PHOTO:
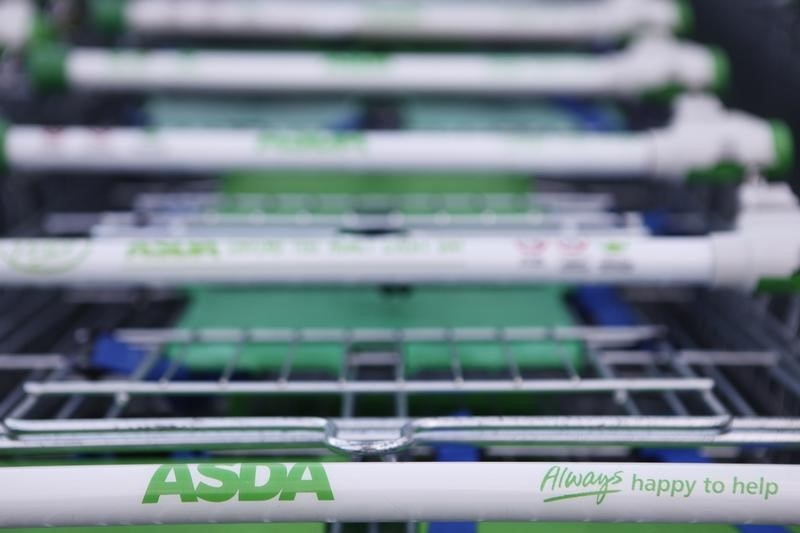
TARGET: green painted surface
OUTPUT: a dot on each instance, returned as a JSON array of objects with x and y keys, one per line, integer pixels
[
  {"x": 333, "y": 183},
  {"x": 107, "y": 16},
  {"x": 720, "y": 173},
  {"x": 424, "y": 307},
  {"x": 722, "y": 70},
  {"x": 784, "y": 142},
  {"x": 779, "y": 285},
  {"x": 216, "y": 112},
  {"x": 686, "y": 20},
  {"x": 512, "y": 116},
  {"x": 46, "y": 64}
]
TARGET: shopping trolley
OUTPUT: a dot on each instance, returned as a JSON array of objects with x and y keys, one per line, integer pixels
[{"x": 328, "y": 402}]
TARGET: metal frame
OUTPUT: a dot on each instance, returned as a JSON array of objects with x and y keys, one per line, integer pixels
[{"x": 696, "y": 403}]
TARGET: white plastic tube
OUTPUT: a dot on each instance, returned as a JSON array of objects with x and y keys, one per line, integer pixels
[
  {"x": 359, "y": 260},
  {"x": 428, "y": 19},
  {"x": 16, "y": 23},
  {"x": 765, "y": 245},
  {"x": 702, "y": 136},
  {"x": 740, "y": 259},
  {"x": 368, "y": 492},
  {"x": 647, "y": 65}
]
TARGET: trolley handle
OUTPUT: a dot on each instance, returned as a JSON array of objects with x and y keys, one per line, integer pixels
[{"x": 368, "y": 492}]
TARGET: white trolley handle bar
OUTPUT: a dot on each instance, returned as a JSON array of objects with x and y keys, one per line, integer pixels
[
  {"x": 651, "y": 64},
  {"x": 366, "y": 492},
  {"x": 486, "y": 19},
  {"x": 735, "y": 259},
  {"x": 702, "y": 135}
]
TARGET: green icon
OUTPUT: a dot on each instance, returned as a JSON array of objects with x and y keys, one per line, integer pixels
[
  {"x": 44, "y": 256},
  {"x": 615, "y": 247}
]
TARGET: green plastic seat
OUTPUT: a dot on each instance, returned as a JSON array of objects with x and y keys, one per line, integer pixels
[{"x": 371, "y": 308}]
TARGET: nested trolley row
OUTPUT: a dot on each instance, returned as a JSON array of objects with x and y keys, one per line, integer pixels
[{"x": 378, "y": 331}]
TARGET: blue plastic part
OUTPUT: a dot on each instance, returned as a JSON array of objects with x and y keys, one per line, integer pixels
[
  {"x": 119, "y": 357},
  {"x": 604, "y": 306},
  {"x": 451, "y": 453},
  {"x": 188, "y": 456},
  {"x": 116, "y": 356},
  {"x": 656, "y": 221},
  {"x": 674, "y": 455},
  {"x": 762, "y": 529},
  {"x": 348, "y": 123},
  {"x": 591, "y": 116},
  {"x": 453, "y": 527}
]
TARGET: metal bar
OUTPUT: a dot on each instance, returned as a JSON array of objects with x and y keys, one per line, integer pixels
[
  {"x": 572, "y": 372},
  {"x": 723, "y": 385},
  {"x": 692, "y": 357},
  {"x": 369, "y": 425},
  {"x": 286, "y": 367},
  {"x": 542, "y": 201},
  {"x": 122, "y": 221},
  {"x": 175, "y": 363},
  {"x": 792, "y": 321},
  {"x": 708, "y": 397},
  {"x": 621, "y": 396},
  {"x": 400, "y": 398},
  {"x": 232, "y": 363},
  {"x": 598, "y": 336},
  {"x": 609, "y": 384},
  {"x": 729, "y": 391},
  {"x": 264, "y": 440},
  {"x": 121, "y": 399},
  {"x": 348, "y": 376},
  {"x": 455, "y": 362},
  {"x": 672, "y": 399},
  {"x": 513, "y": 366},
  {"x": 788, "y": 374},
  {"x": 31, "y": 361}
]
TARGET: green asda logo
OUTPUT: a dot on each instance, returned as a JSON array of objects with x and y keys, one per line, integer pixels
[
  {"x": 251, "y": 482},
  {"x": 172, "y": 249},
  {"x": 310, "y": 141},
  {"x": 44, "y": 256}
]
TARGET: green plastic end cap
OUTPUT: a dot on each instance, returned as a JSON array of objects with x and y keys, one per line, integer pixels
[
  {"x": 3, "y": 158},
  {"x": 722, "y": 70},
  {"x": 42, "y": 31},
  {"x": 685, "y": 17},
  {"x": 665, "y": 94},
  {"x": 784, "y": 150},
  {"x": 46, "y": 66},
  {"x": 107, "y": 16},
  {"x": 720, "y": 174},
  {"x": 779, "y": 285}
]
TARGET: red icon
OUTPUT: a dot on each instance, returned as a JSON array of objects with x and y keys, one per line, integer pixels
[
  {"x": 531, "y": 246},
  {"x": 573, "y": 246}
]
